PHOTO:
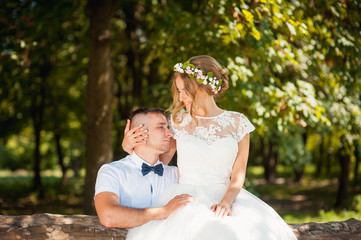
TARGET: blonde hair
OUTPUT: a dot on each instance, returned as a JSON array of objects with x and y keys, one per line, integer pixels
[{"x": 191, "y": 86}]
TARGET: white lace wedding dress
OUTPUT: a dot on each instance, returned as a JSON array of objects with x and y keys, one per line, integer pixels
[{"x": 206, "y": 154}]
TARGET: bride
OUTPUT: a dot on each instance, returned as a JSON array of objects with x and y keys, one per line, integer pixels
[{"x": 212, "y": 146}]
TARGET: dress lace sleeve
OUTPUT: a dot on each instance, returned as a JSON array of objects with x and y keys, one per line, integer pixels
[{"x": 244, "y": 127}]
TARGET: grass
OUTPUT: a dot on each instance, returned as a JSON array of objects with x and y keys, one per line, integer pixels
[
  {"x": 312, "y": 200},
  {"x": 17, "y": 196},
  {"x": 309, "y": 201}
]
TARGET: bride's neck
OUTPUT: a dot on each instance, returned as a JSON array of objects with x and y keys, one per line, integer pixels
[{"x": 207, "y": 107}]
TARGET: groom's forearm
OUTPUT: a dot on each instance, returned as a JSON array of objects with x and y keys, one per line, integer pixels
[
  {"x": 111, "y": 214},
  {"x": 124, "y": 217}
]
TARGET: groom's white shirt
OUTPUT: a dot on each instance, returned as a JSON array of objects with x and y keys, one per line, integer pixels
[{"x": 124, "y": 178}]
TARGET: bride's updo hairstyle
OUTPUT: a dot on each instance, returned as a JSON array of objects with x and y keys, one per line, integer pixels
[{"x": 191, "y": 85}]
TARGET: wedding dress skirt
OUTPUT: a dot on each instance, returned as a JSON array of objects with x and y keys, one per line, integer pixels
[
  {"x": 251, "y": 218},
  {"x": 206, "y": 155}
]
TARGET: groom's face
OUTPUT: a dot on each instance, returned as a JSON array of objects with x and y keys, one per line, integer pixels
[{"x": 159, "y": 134}]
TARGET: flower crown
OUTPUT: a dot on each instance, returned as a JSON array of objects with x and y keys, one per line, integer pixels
[{"x": 196, "y": 73}]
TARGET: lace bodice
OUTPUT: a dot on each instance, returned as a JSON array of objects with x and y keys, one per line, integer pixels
[{"x": 206, "y": 151}]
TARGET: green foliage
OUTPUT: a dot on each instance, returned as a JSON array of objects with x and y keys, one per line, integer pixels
[
  {"x": 18, "y": 152},
  {"x": 296, "y": 74},
  {"x": 42, "y": 55},
  {"x": 293, "y": 151},
  {"x": 8, "y": 159}
]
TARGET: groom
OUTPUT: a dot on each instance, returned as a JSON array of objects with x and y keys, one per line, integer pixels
[{"x": 126, "y": 189}]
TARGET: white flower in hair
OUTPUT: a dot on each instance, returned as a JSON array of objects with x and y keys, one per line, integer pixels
[{"x": 197, "y": 74}]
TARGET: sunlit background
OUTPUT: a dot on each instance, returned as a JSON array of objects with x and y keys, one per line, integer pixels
[{"x": 294, "y": 72}]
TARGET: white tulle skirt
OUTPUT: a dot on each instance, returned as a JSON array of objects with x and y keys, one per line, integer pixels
[{"x": 251, "y": 219}]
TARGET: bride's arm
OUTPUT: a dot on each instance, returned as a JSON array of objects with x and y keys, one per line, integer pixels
[
  {"x": 166, "y": 157},
  {"x": 238, "y": 176}
]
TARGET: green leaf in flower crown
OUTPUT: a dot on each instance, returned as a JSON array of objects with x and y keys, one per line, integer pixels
[
  {"x": 209, "y": 74},
  {"x": 192, "y": 76},
  {"x": 186, "y": 64}
]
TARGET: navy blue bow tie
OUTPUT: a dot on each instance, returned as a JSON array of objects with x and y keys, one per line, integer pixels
[{"x": 158, "y": 169}]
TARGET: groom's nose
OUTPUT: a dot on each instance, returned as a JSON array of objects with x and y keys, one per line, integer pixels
[{"x": 169, "y": 133}]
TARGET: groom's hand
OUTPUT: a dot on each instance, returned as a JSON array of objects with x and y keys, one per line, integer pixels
[
  {"x": 133, "y": 137},
  {"x": 177, "y": 202}
]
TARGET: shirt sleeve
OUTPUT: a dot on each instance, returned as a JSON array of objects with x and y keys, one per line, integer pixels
[
  {"x": 175, "y": 176},
  {"x": 244, "y": 127},
  {"x": 108, "y": 180}
]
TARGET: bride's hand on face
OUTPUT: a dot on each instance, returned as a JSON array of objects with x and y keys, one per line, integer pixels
[
  {"x": 221, "y": 210},
  {"x": 133, "y": 137}
]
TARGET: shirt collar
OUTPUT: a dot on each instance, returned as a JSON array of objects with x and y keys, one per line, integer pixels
[{"x": 139, "y": 161}]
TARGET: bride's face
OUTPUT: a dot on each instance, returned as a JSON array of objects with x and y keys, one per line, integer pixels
[{"x": 183, "y": 97}]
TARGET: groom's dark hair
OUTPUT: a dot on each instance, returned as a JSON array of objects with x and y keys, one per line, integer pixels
[
  {"x": 145, "y": 111},
  {"x": 148, "y": 110}
]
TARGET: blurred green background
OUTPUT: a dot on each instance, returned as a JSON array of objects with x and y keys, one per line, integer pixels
[{"x": 294, "y": 72}]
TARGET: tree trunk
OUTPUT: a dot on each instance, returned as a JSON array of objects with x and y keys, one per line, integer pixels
[
  {"x": 123, "y": 108},
  {"x": 119, "y": 129},
  {"x": 37, "y": 113},
  {"x": 99, "y": 96},
  {"x": 344, "y": 181},
  {"x": 269, "y": 162},
  {"x": 61, "y": 158},
  {"x": 320, "y": 157},
  {"x": 300, "y": 172},
  {"x": 75, "y": 164},
  {"x": 357, "y": 157},
  {"x": 153, "y": 76},
  {"x": 133, "y": 87},
  {"x": 38, "y": 187},
  {"x": 329, "y": 156},
  {"x": 134, "y": 61}
]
